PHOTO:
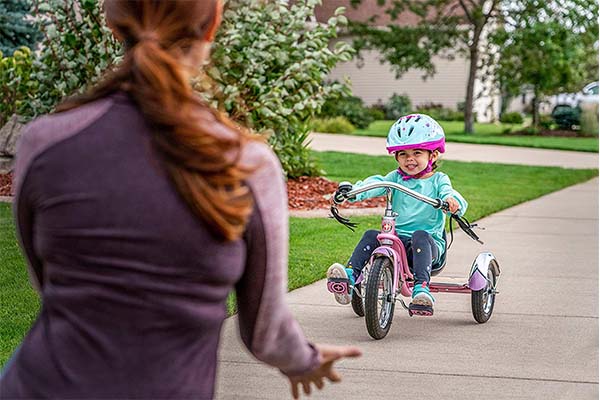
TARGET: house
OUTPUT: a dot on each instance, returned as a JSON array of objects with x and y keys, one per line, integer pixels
[{"x": 375, "y": 82}]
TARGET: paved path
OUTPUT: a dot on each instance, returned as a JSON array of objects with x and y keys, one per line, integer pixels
[
  {"x": 541, "y": 342},
  {"x": 463, "y": 151}
]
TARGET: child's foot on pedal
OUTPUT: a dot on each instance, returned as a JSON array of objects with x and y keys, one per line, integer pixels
[
  {"x": 338, "y": 283},
  {"x": 422, "y": 301}
]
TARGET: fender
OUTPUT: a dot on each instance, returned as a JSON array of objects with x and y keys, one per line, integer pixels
[
  {"x": 384, "y": 251},
  {"x": 480, "y": 268}
]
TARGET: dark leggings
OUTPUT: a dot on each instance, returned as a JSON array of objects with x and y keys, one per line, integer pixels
[{"x": 421, "y": 250}]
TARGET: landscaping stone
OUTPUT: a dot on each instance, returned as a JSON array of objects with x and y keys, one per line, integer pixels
[{"x": 9, "y": 134}]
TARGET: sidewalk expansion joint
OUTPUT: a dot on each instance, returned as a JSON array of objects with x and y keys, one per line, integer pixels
[
  {"x": 466, "y": 312},
  {"x": 396, "y": 371}
]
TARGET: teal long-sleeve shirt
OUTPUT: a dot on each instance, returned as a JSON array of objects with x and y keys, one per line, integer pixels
[{"x": 414, "y": 215}]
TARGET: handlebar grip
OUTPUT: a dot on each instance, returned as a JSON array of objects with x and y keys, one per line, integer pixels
[{"x": 443, "y": 205}]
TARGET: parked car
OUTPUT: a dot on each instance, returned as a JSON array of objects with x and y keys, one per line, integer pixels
[{"x": 589, "y": 94}]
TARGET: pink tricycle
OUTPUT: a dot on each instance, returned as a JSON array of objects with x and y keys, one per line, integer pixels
[{"x": 387, "y": 278}]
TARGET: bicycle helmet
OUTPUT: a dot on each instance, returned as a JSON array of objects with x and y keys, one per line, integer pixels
[{"x": 416, "y": 131}]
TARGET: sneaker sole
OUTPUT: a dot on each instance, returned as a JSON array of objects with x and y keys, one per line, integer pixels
[
  {"x": 419, "y": 310},
  {"x": 421, "y": 305},
  {"x": 338, "y": 271},
  {"x": 422, "y": 300}
]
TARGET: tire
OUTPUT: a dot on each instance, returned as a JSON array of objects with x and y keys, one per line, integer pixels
[
  {"x": 482, "y": 301},
  {"x": 378, "y": 316},
  {"x": 357, "y": 301}
]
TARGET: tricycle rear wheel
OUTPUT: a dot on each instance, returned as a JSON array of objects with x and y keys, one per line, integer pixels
[
  {"x": 379, "y": 298},
  {"x": 357, "y": 300}
]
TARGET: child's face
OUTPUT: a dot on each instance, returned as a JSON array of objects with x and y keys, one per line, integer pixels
[{"x": 414, "y": 161}]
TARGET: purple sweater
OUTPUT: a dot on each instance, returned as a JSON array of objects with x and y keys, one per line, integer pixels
[{"x": 133, "y": 285}]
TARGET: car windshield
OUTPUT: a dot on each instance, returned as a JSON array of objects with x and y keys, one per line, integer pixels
[{"x": 591, "y": 89}]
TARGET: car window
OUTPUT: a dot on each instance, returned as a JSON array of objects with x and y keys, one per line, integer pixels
[{"x": 592, "y": 88}]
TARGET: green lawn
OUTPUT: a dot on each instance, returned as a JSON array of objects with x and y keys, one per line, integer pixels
[
  {"x": 494, "y": 134},
  {"x": 314, "y": 243}
]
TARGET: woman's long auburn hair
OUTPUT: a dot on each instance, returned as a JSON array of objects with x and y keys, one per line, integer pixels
[{"x": 205, "y": 168}]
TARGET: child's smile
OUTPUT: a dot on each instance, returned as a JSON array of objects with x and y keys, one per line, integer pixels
[{"x": 413, "y": 161}]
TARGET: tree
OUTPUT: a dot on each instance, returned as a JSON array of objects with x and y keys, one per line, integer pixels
[
  {"x": 548, "y": 48},
  {"x": 16, "y": 29},
  {"x": 443, "y": 24}
]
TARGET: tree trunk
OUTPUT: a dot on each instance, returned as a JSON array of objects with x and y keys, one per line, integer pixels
[
  {"x": 474, "y": 58},
  {"x": 535, "y": 110}
]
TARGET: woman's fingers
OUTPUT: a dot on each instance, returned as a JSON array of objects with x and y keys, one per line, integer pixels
[
  {"x": 306, "y": 386},
  {"x": 294, "y": 384},
  {"x": 318, "y": 381}
]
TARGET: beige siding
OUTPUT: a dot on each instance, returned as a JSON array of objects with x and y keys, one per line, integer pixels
[{"x": 375, "y": 82}]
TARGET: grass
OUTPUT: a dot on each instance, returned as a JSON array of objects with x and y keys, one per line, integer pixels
[
  {"x": 20, "y": 303},
  {"x": 314, "y": 243},
  {"x": 486, "y": 133}
]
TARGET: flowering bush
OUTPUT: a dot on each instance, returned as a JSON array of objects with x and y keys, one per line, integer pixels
[{"x": 268, "y": 67}]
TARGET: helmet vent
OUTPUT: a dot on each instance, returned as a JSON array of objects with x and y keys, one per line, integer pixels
[
  {"x": 418, "y": 118},
  {"x": 410, "y": 131}
]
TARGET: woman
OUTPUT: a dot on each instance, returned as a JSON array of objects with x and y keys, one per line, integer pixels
[{"x": 139, "y": 209}]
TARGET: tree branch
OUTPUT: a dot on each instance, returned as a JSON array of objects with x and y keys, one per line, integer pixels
[{"x": 466, "y": 10}]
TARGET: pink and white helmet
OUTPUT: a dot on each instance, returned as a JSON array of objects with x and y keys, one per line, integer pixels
[{"x": 416, "y": 131}]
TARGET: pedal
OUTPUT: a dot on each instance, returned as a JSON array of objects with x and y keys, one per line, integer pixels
[
  {"x": 338, "y": 285},
  {"x": 420, "y": 310}
]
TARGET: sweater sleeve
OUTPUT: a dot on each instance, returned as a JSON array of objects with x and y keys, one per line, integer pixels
[
  {"x": 390, "y": 177},
  {"x": 446, "y": 191},
  {"x": 23, "y": 206},
  {"x": 267, "y": 326}
]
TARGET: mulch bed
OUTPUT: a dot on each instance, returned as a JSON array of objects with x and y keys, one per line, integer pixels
[
  {"x": 5, "y": 184},
  {"x": 304, "y": 193}
]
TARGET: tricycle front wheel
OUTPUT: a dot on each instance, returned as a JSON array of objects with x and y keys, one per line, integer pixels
[
  {"x": 482, "y": 301},
  {"x": 379, "y": 298}
]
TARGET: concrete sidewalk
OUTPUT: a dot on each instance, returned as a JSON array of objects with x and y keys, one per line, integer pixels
[
  {"x": 541, "y": 342},
  {"x": 463, "y": 151}
]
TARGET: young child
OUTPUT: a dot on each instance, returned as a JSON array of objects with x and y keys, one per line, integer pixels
[{"x": 416, "y": 141}]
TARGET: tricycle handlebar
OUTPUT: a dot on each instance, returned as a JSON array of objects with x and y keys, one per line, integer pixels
[{"x": 436, "y": 203}]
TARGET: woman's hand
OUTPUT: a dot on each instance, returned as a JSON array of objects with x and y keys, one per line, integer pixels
[
  {"x": 327, "y": 355},
  {"x": 452, "y": 204}
]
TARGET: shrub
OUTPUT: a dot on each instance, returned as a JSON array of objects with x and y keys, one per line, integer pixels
[
  {"x": 270, "y": 68},
  {"x": 589, "y": 120},
  {"x": 376, "y": 112},
  {"x": 440, "y": 113},
  {"x": 397, "y": 106},
  {"x": 566, "y": 117},
  {"x": 351, "y": 107},
  {"x": 267, "y": 69},
  {"x": 77, "y": 47},
  {"x": 511, "y": 118},
  {"x": 546, "y": 122},
  {"x": 16, "y": 86},
  {"x": 333, "y": 125}
]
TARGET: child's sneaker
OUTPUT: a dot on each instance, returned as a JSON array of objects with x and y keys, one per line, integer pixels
[
  {"x": 422, "y": 301},
  {"x": 339, "y": 284}
]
